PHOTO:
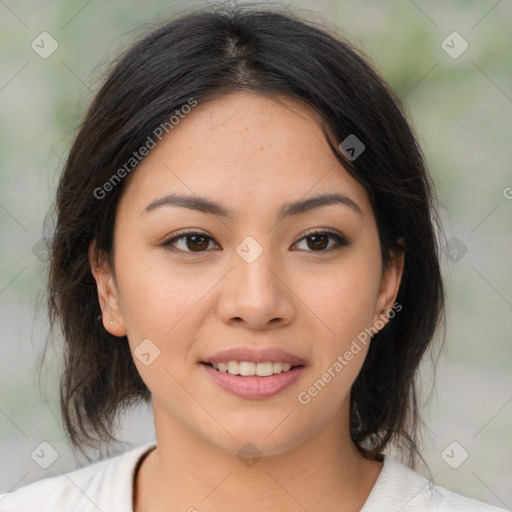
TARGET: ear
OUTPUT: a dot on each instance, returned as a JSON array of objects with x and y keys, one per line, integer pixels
[
  {"x": 390, "y": 283},
  {"x": 108, "y": 296}
]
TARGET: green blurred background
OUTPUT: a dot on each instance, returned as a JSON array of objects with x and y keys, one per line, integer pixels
[{"x": 461, "y": 108}]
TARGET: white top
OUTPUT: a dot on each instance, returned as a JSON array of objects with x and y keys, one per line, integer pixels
[{"x": 107, "y": 486}]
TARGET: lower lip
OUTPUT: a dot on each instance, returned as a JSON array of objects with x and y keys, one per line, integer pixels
[{"x": 254, "y": 387}]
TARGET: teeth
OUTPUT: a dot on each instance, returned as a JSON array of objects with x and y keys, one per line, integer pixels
[
  {"x": 264, "y": 369},
  {"x": 245, "y": 368},
  {"x": 233, "y": 367},
  {"x": 248, "y": 368}
]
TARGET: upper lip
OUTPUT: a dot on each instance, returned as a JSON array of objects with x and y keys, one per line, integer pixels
[{"x": 256, "y": 356}]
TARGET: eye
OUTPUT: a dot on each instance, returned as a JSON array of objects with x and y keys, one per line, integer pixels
[
  {"x": 192, "y": 241},
  {"x": 319, "y": 240}
]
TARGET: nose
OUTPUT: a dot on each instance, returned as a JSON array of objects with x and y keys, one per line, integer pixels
[{"x": 257, "y": 293}]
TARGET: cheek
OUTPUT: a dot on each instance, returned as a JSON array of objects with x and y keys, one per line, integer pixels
[
  {"x": 343, "y": 306},
  {"x": 162, "y": 305},
  {"x": 159, "y": 301},
  {"x": 342, "y": 298}
]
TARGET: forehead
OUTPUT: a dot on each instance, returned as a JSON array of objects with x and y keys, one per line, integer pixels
[{"x": 246, "y": 150}]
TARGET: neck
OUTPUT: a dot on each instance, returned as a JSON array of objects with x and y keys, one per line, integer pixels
[{"x": 187, "y": 472}]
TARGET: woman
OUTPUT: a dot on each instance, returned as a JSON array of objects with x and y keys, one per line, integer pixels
[{"x": 246, "y": 237}]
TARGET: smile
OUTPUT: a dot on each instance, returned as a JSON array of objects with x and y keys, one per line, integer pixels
[
  {"x": 249, "y": 368},
  {"x": 250, "y": 385}
]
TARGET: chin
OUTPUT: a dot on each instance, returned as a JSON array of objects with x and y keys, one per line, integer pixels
[{"x": 258, "y": 438}]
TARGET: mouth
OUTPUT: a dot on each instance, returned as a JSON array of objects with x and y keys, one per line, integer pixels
[
  {"x": 254, "y": 373},
  {"x": 253, "y": 380},
  {"x": 253, "y": 369}
]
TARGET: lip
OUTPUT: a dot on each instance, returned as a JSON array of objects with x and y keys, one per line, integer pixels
[
  {"x": 256, "y": 356},
  {"x": 256, "y": 388}
]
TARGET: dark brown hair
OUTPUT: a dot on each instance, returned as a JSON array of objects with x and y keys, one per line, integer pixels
[{"x": 205, "y": 54}]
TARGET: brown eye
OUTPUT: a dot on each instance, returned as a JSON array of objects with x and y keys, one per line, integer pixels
[
  {"x": 318, "y": 241},
  {"x": 197, "y": 243},
  {"x": 188, "y": 242}
]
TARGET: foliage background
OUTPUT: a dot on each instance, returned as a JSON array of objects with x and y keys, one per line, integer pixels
[{"x": 462, "y": 111}]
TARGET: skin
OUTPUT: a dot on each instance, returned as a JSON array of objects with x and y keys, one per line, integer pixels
[{"x": 251, "y": 154}]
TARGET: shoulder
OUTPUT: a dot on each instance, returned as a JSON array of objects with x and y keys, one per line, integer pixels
[
  {"x": 400, "y": 488},
  {"x": 104, "y": 485}
]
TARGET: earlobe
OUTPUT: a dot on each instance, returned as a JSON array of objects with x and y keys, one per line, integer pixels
[{"x": 108, "y": 297}]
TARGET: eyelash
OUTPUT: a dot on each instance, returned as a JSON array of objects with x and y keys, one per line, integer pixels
[{"x": 339, "y": 240}]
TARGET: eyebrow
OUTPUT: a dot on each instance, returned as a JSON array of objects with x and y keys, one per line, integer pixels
[{"x": 204, "y": 205}]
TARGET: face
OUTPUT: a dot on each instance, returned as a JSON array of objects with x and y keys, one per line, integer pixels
[{"x": 252, "y": 274}]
